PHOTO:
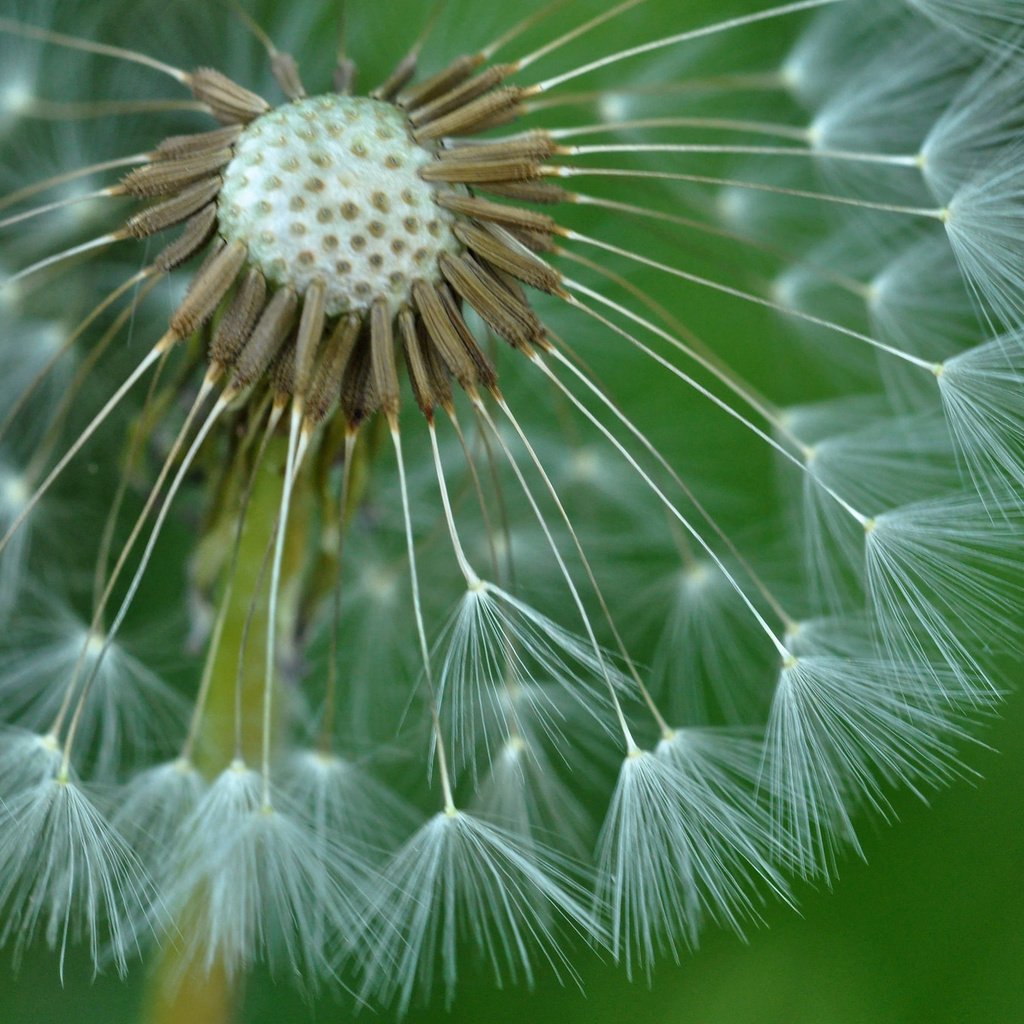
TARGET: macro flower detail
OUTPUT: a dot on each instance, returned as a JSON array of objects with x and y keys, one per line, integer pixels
[{"x": 542, "y": 501}]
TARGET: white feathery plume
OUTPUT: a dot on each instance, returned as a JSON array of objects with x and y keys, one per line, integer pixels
[
  {"x": 982, "y": 119},
  {"x": 338, "y": 797},
  {"x": 502, "y": 659},
  {"x": 886, "y": 462},
  {"x": 523, "y": 792},
  {"x": 249, "y": 883},
  {"x": 14, "y": 497},
  {"x": 710, "y": 655},
  {"x": 943, "y": 579},
  {"x": 981, "y": 393},
  {"x": 69, "y": 875},
  {"x": 152, "y": 807},
  {"x": 887, "y": 104},
  {"x": 459, "y": 878},
  {"x": 917, "y": 301},
  {"x": 26, "y": 759},
  {"x": 675, "y": 848},
  {"x": 984, "y": 222},
  {"x": 129, "y": 711},
  {"x": 831, "y": 45},
  {"x": 989, "y": 22},
  {"x": 839, "y": 727}
]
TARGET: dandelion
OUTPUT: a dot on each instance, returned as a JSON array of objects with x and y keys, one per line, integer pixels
[{"x": 576, "y": 475}]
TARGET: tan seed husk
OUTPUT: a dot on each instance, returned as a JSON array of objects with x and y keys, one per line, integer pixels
[
  {"x": 534, "y": 145},
  {"x": 444, "y": 81},
  {"x": 176, "y": 147},
  {"x": 499, "y": 309},
  {"x": 498, "y": 213},
  {"x": 325, "y": 390},
  {"x": 266, "y": 340},
  {"x": 310, "y": 334},
  {"x": 382, "y": 358},
  {"x": 227, "y": 100},
  {"x": 358, "y": 400},
  {"x": 462, "y": 94},
  {"x": 473, "y": 172},
  {"x": 239, "y": 319},
  {"x": 415, "y": 361},
  {"x": 286, "y": 73},
  {"x": 398, "y": 79},
  {"x": 173, "y": 211},
  {"x": 453, "y": 341},
  {"x": 497, "y": 246},
  {"x": 209, "y": 286},
  {"x": 195, "y": 235},
  {"x": 168, "y": 176},
  {"x": 493, "y": 108},
  {"x": 543, "y": 192}
]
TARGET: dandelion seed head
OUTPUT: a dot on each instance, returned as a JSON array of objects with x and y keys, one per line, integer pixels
[
  {"x": 513, "y": 674},
  {"x": 328, "y": 189}
]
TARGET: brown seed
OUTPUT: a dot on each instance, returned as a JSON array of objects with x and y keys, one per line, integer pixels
[
  {"x": 173, "y": 211},
  {"x": 209, "y": 286},
  {"x": 228, "y": 100}
]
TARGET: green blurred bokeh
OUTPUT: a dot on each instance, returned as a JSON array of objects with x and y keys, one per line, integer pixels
[{"x": 930, "y": 930}]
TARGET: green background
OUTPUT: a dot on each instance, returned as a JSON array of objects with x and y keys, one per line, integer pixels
[{"x": 930, "y": 930}]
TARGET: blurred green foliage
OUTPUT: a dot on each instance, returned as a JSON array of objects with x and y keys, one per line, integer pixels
[{"x": 929, "y": 931}]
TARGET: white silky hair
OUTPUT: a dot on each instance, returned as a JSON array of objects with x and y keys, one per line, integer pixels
[
  {"x": 840, "y": 729},
  {"x": 129, "y": 713},
  {"x": 262, "y": 886},
  {"x": 917, "y": 301},
  {"x": 70, "y": 876},
  {"x": 983, "y": 222},
  {"x": 460, "y": 878},
  {"x": 26, "y": 758},
  {"x": 504, "y": 665},
  {"x": 338, "y": 796},
  {"x": 855, "y": 670},
  {"x": 985, "y": 22},
  {"x": 975, "y": 126},
  {"x": 980, "y": 390},
  {"x": 709, "y": 657},
  {"x": 153, "y": 806},
  {"x": 943, "y": 577},
  {"x": 538, "y": 796},
  {"x": 888, "y": 104},
  {"x": 681, "y": 842}
]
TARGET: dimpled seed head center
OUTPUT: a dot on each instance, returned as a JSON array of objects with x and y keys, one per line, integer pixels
[{"x": 327, "y": 189}]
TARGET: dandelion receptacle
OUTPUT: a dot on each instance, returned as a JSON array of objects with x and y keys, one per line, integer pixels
[{"x": 484, "y": 486}]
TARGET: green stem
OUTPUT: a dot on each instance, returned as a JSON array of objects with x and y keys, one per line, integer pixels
[{"x": 180, "y": 992}]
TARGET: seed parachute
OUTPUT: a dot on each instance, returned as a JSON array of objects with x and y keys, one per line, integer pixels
[{"x": 545, "y": 498}]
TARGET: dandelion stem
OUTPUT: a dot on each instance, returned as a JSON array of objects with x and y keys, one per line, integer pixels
[
  {"x": 575, "y": 33},
  {"x": 60, "y": 257},
  {"x": 473, "y": 581},
  {"x": 79, "y": 172},
  {"x": 851, "y": 156},
  {"x": 297, "y": 444},
  {"x": 59, "y": 204},
  {"x": 786, "y": 131},
  {"x": 421, "y": 631}
]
